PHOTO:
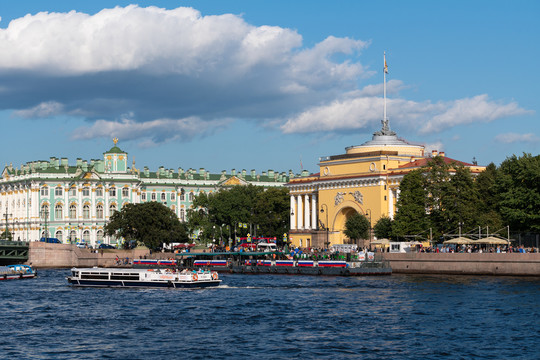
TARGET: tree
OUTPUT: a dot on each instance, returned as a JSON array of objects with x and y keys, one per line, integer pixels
[
  {"x": 151, "y": 223},
  {"x": 357, "y": 227},
  {"x": 436, "y": 183},
  {"x": 518, "y": 188},
  {"x": 485, "y": 184},
  {"x": 383, "y": 228},
  {"x": 410, "y": 217}
]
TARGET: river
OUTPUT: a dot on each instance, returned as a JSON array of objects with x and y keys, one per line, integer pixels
[{"x": 275, "y": 317}]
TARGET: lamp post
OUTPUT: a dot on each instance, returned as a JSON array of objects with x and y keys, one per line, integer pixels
[
  {"x": 327, "y": 227},
  {"x": 45, "y": 214},
  {"x": 369, "y": 210}
]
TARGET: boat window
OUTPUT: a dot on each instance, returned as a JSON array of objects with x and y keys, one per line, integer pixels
[{"x": 125, "y": 277}]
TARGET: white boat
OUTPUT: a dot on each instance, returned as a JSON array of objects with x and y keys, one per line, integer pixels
[
  {"x": 18, "y": 271},
  {"x": 118, "y": 277}
]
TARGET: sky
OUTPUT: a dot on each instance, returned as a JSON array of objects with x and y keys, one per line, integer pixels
[{"x": 249, "y": 84}]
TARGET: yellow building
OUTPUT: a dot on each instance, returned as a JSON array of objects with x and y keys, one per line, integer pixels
[{"x": 364, "y": 180}]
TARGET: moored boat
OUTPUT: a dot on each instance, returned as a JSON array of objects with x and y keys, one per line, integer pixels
[
  {"x": 119, "y": 277},
  {"x": 18, "y": 271}
]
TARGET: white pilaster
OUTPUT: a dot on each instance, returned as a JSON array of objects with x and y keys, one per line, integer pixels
[
  {"x": 299, "y": 216},
  {"x": 293, "y": 213},
  {"x": 306, "y": 212},
  {"x": 314, "y": 211}
]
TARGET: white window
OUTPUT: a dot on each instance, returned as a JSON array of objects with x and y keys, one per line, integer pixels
[
  {"x": 153, "y": 196},
  {"x": 173, "y": 196},
  {"x": 86, "y": 191},
  {"x": 73, "y": 191},
  {"x": 58, "y": 213},
  {"x": 112, "y": 192},
  {"x": 190, "y": 198},
  {"x": 73, "y": 211},
  {"x": 45, "y": 211},
  {"x": 100, "y": 235},
  {"x": 99, "y": 211},
  {"x": 125, "y": 192},
  {"x": 182, "y": 196},
  {"x": 112, "y": 209},
  {"x": 58, "y": 191},
  {"x": 86, "y": 236},
  {"x": 143, "y": 196},
  {"x": 86, "y": 212},
  {"x": 163, "y": 197},
  {"x": 44, "y": 191},
  {"x": 58, "y": 235},
  {"x": 182, "y": 215},
  {"x": 99, "y": 191}
]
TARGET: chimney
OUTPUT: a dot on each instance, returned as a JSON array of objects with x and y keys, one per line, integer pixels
[
  {"x": 441, "y": 153},
  {"x": 412, "y": 158},
  {"x": 433, "y": 153}
]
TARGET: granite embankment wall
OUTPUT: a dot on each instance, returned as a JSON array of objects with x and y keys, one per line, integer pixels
[
  {"x": 43, "y": 255},
  {"x": 515, "y": 264}
]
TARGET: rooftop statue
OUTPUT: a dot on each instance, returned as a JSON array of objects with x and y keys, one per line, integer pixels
[{"x": 385, "y": 131}]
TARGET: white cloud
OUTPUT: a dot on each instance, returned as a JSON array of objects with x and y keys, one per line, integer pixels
[
  {"x": 42, "y": 110},
  {"x": 510, "y": 138},
  {"x": 425, "y": 117},
  {"x": 153, "y": 132}
]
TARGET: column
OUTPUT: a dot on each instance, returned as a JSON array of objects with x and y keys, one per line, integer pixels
[
  {"x": 307, "y": 225},
  {"x": 293, "y": 213},
  {"x": 314, "y": 211},
  {"x": 299, "y": 216},
  {"x": 391, "y": 203}
]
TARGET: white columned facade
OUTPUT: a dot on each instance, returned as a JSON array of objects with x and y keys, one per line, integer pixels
[
  {"x": 306, "y": 212},
  {"x": 314, "y": 211},
  {"x": 391, "y": 204},
  {"x": 299, "y": 208},
  {"x": 293, "y": 213}
]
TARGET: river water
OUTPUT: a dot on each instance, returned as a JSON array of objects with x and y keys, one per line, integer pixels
[{"x": 275, "y": 317}]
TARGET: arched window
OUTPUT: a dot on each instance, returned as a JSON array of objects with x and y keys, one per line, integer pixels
[
  {"x": 58, "y": 191},
  {"x": 99, "y": 211},
  {"x": 125, "y": 192},
  {"x": 58, "y": 213},
  {"x": 86, "y": 212},
  {"x": 73, "y": 236},
  {"x": 73, "y": 211},
  {"x": 86, "y": 191},
  {"x": 100, "y": 235},
  {"x": 58, "y": 235},
  {"x": 173, "y": 196},
  {"x": 112, "y": 192},
  {"x": 45, "y": 211},
  {"x": 190, "y": 198},
  {"x": 99, "y": 191},
  {"x": 143, "y": 196},
  {"x": 153, "y": 196},
  {"x": 163, "y": 197},
  {"x": 182, "y": 215},
  {"x": 44, "y": 191},
  {"x": 73, "y": 191},
  {"x": 112, "y": 209},
  {"x": 86, "y": 236}
]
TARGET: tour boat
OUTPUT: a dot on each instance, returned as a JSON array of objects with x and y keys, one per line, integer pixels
[
  {"x": 118, "y": 277},
  {"x": 18, "y": 271}
]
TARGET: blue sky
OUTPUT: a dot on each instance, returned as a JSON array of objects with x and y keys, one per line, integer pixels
[{"x": 265, "y": 84}]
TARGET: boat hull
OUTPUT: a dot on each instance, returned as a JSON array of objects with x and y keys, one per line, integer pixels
[
  {"x": 142, "y": 284},
  {"x": 17, "y": 276}
]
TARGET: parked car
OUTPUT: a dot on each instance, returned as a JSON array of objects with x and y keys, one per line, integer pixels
[
  {"x": 81, "y": 245},
  {"x": 50, "y": 240},
  {"x": 106, "y": 246}
]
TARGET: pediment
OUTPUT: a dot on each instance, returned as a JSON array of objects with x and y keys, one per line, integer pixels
[
  {"x": 233, "y": 181},
  {"x": 91, "y": 175}
]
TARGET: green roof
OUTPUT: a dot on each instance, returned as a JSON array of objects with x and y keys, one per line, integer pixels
[{"x": 115, "y": 150}]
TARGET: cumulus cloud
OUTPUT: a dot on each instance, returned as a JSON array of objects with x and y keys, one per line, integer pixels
[
  {"x": 357, "y": 112},
  {"x": 179, "y": 74},
  {"x": 153, "y": 132},
  {"x": 510, "y": 138}
]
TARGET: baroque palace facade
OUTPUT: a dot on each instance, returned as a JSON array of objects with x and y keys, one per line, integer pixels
[
  {"x": 74, "y": 202},
  {"x": 364, "y": 180}
]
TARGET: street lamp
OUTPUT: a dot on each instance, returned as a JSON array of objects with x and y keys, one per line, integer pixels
[
  {"x": 369, "y": 225},
  {"x": 327, "y": 227}
]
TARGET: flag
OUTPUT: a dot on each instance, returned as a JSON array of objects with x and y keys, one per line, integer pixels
[{"x": 385, "y": 66}]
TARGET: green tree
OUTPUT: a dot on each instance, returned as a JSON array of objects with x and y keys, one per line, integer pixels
[
  {"x": 518, "y": 188},
  {"x": 485, "y": 184},
  {"x": 410, "y": 217},
  {"x": 436, "y": 183},
  {"x": 272, "y": 212},
  {"x": 151, "y": 223},
  {"x": 459, "y": 201},
  {"x": 383, "y": 228},
  {"x": 357, "y": 227}
]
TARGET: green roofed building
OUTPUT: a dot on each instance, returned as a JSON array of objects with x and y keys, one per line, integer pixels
[{"x": 73, "y": 202}]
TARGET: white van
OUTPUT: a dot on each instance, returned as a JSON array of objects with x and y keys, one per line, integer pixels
[{"x": 265, "y": 247}]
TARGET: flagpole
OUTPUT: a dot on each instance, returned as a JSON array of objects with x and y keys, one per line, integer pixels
[{"x": 384, "y": 72}]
